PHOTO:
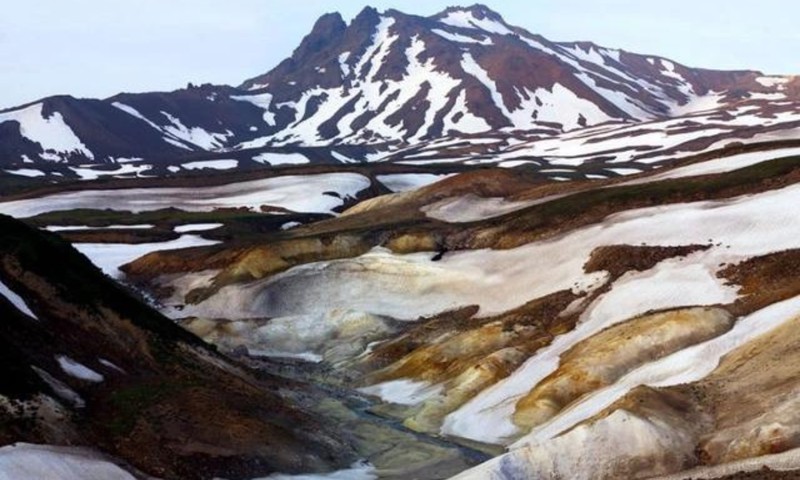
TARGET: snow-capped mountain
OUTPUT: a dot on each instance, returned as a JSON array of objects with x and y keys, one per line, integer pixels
[
  {"x": 392, "y": 76},
  {"x": 384, "y": 79}
]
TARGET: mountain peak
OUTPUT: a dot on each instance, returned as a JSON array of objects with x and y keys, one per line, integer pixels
[
  {"x": 477, "y": 11},
  {"x": 328, "y": 29}
]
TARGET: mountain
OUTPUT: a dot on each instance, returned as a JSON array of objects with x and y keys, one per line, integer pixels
[
  {"x": 365, "y": 90},
  {"x": 85, "y": 363},
  {"x": 420, "y": 247}
]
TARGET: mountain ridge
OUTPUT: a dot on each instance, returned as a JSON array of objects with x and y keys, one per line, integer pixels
[{"x": 384, "y": 78}]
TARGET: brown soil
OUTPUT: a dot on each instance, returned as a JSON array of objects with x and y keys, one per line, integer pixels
[
  {"x": 413, "y": 355},
  {"x": 764, "y": 280},
  {"x": 620, "y": 259}
]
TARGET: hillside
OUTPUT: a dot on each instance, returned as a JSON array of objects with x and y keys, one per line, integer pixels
[
  {"x": 84, "y": 363},
  {"x": 549, "y": 319}
]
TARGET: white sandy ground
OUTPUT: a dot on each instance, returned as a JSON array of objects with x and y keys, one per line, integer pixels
[
  {"x": 110, "y": 256},
  {"x": 78, "y": 370},
  {"x": 298, "y": 193},
  {"x": 44, "y": 462},
  {"x": 16, "y": 300},
  {"x": 359, "y": 471},
  {"x": 383, "y": 283}
]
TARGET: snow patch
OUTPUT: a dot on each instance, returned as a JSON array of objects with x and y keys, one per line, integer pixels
[
  {"x": 194, "y": 135},
  {"x": 16, "y": 300},
  {"x": 110, "y": 256},
  {"x": 262, "y": 101},
  {"x": 465, "y": 19},
  {"x": 197, "y": 227},
  {"x": 458, "y": 38},
  {"x": 359, "y": 471},
  {"x": 276, "y": 158},
  {"x": 27, "y": 172},
  {"x": 45, "y": 462},
  {"x": 720, "y": 165},
  {"x": 471, "y": 208},
  {"x": 52, "y": 133},
  {"x": 299, "y": 193},
  {"x": 685, "y": 366},
  {"x": 774, "y": 81},
  {"x": 290, "y": 225},
  {"x": 72, "y": 228},
  {"x": 403, "y": 182},
  {"x": 747, "y": 226},
  {"x": 403, "y": 392},
  {"x": 211, "y": 164},
  {"x": 135, "y": 113},
  {"x": 78, "y": 370},
  {"x": 89, "y": 173}
]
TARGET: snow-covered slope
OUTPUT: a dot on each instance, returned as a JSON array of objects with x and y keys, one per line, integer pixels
[
  {"x": 368, "y": 90},
  {"x": 606, "y": 329},
  {"x": 392, "y": 76}
]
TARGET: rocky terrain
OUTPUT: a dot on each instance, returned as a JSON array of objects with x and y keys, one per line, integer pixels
[{"x": 420, "y": 247}]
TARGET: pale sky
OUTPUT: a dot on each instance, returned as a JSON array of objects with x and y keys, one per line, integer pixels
[{"x": 96, "y": 48}]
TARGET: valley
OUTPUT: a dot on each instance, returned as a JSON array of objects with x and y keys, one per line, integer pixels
[{"x": 419, "y": 247}]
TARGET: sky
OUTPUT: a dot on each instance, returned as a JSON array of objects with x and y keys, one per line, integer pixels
[{"x": 96, "y": 48}]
